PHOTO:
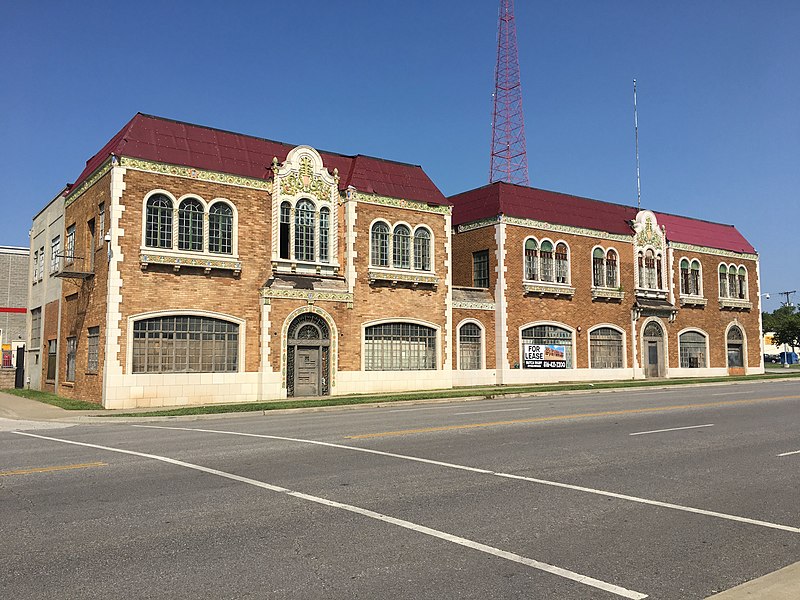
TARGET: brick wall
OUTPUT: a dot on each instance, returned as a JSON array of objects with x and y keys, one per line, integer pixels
[{"x": 49, "y": 332}]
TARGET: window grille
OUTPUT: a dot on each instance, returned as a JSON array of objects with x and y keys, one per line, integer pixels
[
  {"x": 611, "y": 269},
  {"x": 694, "y": 279},
  {"x": 158, "y": 225},
  {"x": 190, "y": 225},
  {"x": 650, "y": 270},
  {"x": 399, "y": 347},
  {"x": 469, "y": 339},
  {"x": 422, "y": 250},
  {"x": 550, "y": 335},
  {"x": 653, "y": 329},
  {"x": 547, "y": 261},
  {"x": 324, "y": 235},
  {"x": 606, "y": 348},
  {"x": 185, "y": 344},
  {"x": 732, "y": 282},
  {"x": 72, "y": 350},
  {"x": 735, "y": 335},
  {"x": 685, "y": 277},
  {"x": 401, "y": 247},
  {"x": 220, "y": 228},
  {"x": 93, "y": 347},
  {"x": 531, "y": 260},
  {"x": 742, "y": 283},
  {"x": 598, "y": 268},
  {"x": 562, "y": 264},
  {"x": 692, "y": 350},
  {"x": 480, "y": 269},
  {"x": 380, "y": 245},
  {"x": 304, "y": 231}
]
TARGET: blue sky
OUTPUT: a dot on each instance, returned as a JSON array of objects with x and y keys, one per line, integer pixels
[{"x": 718, "y": 85}]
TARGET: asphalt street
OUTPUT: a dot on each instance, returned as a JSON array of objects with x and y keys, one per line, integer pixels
[{"x": 674, "y": 493}]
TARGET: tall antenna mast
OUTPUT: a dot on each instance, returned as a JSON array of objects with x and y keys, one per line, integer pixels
[
  {"x": 636, "y": 133},
  {"x": 509, "y": 155}
]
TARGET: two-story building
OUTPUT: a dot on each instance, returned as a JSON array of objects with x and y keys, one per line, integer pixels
[{"x": 201, "y": 266}]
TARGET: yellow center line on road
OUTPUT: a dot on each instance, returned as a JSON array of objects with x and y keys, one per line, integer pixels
[
  {"x": 51, "y": 469},
  {"x": 607, "y": 413}
]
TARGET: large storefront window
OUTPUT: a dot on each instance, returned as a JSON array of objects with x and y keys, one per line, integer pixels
[
  {"x": 693, "y": 350},
  {"x": 606, "y": 348},
  {"x": 550, "y": 335},
  {"x": 399, "y": 347},
  {"x": 185, "y": 344}
]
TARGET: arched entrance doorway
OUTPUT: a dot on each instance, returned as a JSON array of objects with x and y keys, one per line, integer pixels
[
  {"x": 735, "y": 346},
  {"x": 308, "y": 356},
  {"x": 653, "y": 349}
]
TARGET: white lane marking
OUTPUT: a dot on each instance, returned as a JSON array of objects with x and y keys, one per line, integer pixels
[
  {"x": 494, "y": 410},
  {"x": 568, "y": 486},
  {"x": 584, "y": 579},
  {"x": 671, "y": 429},
  {"x": 789, "y": 453},
  {"x": 421, "y": 408}
]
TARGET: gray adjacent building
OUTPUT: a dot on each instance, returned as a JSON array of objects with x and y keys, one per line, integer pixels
[{"x": 13, "y": 308}]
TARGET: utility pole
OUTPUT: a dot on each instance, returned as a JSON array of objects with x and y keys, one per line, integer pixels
[{"x": 787, "y": 295}]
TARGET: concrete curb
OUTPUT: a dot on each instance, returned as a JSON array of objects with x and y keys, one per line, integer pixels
[{"x": 783, "y": 584}]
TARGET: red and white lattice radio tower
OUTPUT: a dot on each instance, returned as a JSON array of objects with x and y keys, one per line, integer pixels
[{"x": 509, "y": 157}]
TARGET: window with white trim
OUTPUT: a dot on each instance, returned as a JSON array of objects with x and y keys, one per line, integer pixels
[
  {"x": 55, "y": 250},
  {"x": 190, "y": 225},
  {"x": 304, "y": 230},
  {"x": 469, "y": 347},
  {"x": 399, "y": 347},
  {"x": 158, "y": 222},
  {"x": 324, "y": 234},
  {"x": 546, "y": 262},
  {"x": 36, "y": 327},
  {"x": 92, "y": 349},
  {"x": 605, "y": 348},
  {"x": 604, "y": 268},
  {"x": 651, "y": 270},
  {"x": 422, "y": 249},
  {"x": 69, "y": 255},
  {"x": 35, "y": 277},
  {"x": 733, "y": 282},
  {"x": 41, "y": 263},
  {"x": 690, "y": 277},
  {"x": 220, "y": 228},
  {"x": 379, "y": 242},
  {"x": 185, "y": 344},
  {"x": 72, "y": 350},
  {"x": 692, "y": 351},
  {"x": 401, "y": 247},
  {"x": 550, "y": 335}
]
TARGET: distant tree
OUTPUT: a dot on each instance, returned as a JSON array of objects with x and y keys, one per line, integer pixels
[
  {"x": 787, "y": 331},
  {"x": 772, "y": 321}
]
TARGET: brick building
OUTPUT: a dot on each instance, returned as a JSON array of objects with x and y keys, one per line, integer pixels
[
  {"x": 623, "y": 293},
  {"x": 203, "y": 266}
]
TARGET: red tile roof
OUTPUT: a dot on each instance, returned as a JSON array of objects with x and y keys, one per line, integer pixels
[
  {"x": 562, "y": 209},
  {"x": 174, "y": 142}
]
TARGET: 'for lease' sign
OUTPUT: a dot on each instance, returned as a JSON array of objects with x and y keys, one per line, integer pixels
[{"x": 543, "y": 356}]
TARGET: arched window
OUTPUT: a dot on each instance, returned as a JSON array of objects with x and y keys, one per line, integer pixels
[
  {"x": 612, "y": 280},
  {"x": 547, "y": 261},
  {"x": 550, "y": 335},
  {"x": 605, "y": 344},
  {"x": 732, "y": 282},
  {"x": 735, "y": 346},
  {"x": 695, "y": 286},
  {"x": 399, "y": 347},
  {"x": 685, "y": 276},
  {"x": 650, "y": 273},
  {"x": 640, "y": 267},
  {"x": 653, "y": 329},
  {"x": 158, "y": 223},
  {"x": 304, "y": 230},
  {"x": 742, "y": 281},
  {"x": 190, "y": 225},
  {"x": 531, "y": 260},
  {"x": 220, "y": 228},
  {"x": 185, "y": 344},
  {"x": 379, "y": 251},
  {"x": 469, "y": 347},
  {"x": 598, "y": 268},
  {"x": 692, "y": 350},
  {"x": 562, "y": 263},
  {"x": 284, "y": 232},
  {"x": 422, "y": 249},
  {"x": 324, "y": 234},
  {"x": 401, "y": 243},
  {"x": 723, "y": 281}
]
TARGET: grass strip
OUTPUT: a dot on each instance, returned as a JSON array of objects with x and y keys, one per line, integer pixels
[
  {"x": 48, "y": 398},
  {"x": 455, "y": 393}
]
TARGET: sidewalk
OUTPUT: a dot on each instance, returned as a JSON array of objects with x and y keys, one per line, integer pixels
[
  {"x": 18, "y": 408},
  {"x": 779, "y": 585}
]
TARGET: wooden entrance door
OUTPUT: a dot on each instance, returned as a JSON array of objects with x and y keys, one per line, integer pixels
[
  {"x": 653, "y": 347},
  {"x": 307, "y": 371}
]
